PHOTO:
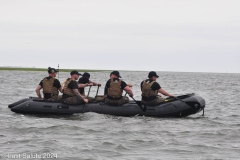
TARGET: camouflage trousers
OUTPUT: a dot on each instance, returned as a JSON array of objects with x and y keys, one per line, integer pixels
[
  {"x": 91, "y": 100},
  {"x": 54, "y": 98},
  {"x": 154, "y": 102},
  {"x": 58, "y": 98},
  {"x": 119, "y": 102},
  {"x": 100, "y": 98},
  {"x": 73, "y": 100}
]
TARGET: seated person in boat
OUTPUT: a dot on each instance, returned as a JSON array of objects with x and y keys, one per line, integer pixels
[
  {"x": 114, "y": 89},
  {"x": 50, "y": 85},
  {"x": 83, "y": 82},
  {"x": 70, "y": 90},
  {"x": 150, "y": 89}
]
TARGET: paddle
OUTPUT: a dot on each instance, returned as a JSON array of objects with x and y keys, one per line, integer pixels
[
  {"x": 166, "y": 100},
  {"x": 89, "y": 91},
  {"x": 179, "y": 99},
  {"x": 97, "y": 90},
  {"x": 86, "y": 97},
  {"x": 144, "y": 108}
]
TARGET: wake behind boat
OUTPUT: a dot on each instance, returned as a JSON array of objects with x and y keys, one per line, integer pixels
[{"x": 180, "y": 106}]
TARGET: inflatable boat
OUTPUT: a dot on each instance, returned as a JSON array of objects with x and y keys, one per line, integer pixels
[{"x": 180, "y": 106}]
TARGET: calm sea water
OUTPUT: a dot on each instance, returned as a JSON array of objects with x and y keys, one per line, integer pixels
[{"x": 92, "y": 136}]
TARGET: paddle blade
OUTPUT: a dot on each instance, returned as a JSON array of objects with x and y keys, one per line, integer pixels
[{"x": 142, "y": 106}]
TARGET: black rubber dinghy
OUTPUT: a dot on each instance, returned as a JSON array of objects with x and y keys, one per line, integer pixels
[{"x": 180, "y": 106}]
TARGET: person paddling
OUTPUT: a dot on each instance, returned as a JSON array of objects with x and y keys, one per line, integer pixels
[
  {"x": 114, "y": 89},
  {"x": 70, "y": 90},
  {"x": 150, "y": 89},
  {"x": 85, "y": 81},
  {"x": 50, "y": 85}
]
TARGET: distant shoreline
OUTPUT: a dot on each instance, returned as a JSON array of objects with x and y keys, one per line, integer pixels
[
  {"x": 93, "y": 70},
  {"x": 45, "y": 69}
]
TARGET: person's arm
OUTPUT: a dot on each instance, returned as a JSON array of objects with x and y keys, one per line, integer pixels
[
  {"x": 39, "y": 87},
  {"x": 94, "y": 83},
  {"x": 162, "y": 91},
  {"x": 129, "y": 91},
  {"x": 80, "y": 96},
  {"x": 84, "y": 83},
  {"x": 90, "y": 84},
  {"x": 57, "y": 85},
  {"x": 81, "y": 85}
]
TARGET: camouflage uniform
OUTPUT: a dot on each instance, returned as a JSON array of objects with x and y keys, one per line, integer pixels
[
  {"x": 73, "y": 100},
  {"x": 91, "y": 99},
  {"x": 114, "y": 93},
  {"x": 100, "y": 98},
  {"x": 154, "y": 102},
  {"x": 147, "y": 92},
  {"x": 120, "y": 102},
  {"x": 54, "y": 98},
  {"x": 49, "y": 90}
]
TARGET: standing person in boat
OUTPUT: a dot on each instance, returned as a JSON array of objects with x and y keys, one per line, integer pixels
[
  {"x": 70, "y": 90},
  {"x": 50, "y": 85},
  {"x": 150, "y": 89},
  {"x": 83, "y": 82},
  {"x": 114, "y": 89}
]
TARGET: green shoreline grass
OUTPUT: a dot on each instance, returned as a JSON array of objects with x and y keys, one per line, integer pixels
[{"x": 45, "y": 69}]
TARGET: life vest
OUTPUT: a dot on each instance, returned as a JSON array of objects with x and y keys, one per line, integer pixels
[
  {"x": 67, "y": 90},
  {"x": 147, "y": 91},
  {"x": 115, "y": 90},
  {"x": 48, "y": 86}
]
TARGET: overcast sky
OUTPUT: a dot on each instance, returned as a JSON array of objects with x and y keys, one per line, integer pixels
[{"x": 161, "y": 35}]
